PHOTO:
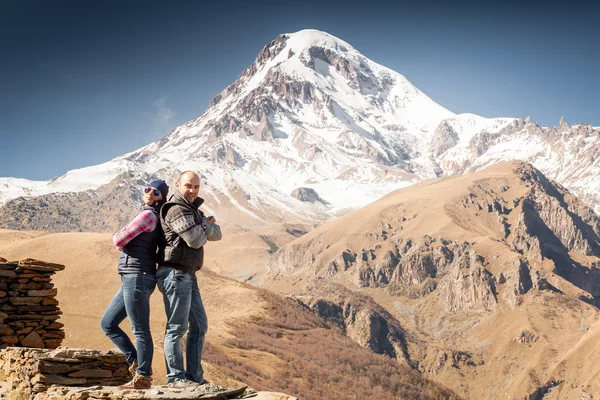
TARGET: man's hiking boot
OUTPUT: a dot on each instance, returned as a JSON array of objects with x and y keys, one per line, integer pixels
[
  {"x": 183, "y": 384},
  {"x": 138, "y": 382},
  {"x": 133, "y": 368}
]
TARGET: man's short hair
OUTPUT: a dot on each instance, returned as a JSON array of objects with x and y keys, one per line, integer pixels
[{"x": 187, "y": 172}]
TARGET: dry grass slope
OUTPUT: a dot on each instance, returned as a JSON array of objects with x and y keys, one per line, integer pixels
[
  {"x": 317, "y": 361},
  {"x": 254, "y": 337}
]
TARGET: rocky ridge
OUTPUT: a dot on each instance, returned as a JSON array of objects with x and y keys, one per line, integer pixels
[
  {"x": 567, "y": 154},
  {"x": 546, "y": 223},
  {"x": 507, "y": 240}
]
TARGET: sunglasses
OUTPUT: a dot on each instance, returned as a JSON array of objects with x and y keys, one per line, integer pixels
[{"x": 156, "y": 191}]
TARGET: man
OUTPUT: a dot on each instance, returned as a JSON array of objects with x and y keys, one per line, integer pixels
[{"x": 180, "y": 257}]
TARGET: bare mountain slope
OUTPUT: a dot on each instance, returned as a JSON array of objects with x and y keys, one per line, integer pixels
[{"x": 490, "y": 280}]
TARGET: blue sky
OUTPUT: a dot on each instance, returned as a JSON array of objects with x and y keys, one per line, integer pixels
[{"x": 82, "y": 82}]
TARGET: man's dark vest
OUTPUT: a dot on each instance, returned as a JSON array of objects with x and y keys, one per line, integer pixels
[
  {"x": 139, "y": 255},
  {"x": 174, "y": 252}
]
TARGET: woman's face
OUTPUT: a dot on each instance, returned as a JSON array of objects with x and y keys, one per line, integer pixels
[{"x": 150, "y": 196}]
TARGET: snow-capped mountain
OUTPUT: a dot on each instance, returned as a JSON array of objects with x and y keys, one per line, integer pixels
[{"x": 313, "y": 129}]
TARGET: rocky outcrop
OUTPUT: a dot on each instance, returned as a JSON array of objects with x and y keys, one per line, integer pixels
[
  {"x": 270, "y": 51},
  {"x": 525, "y": 336},
  {"x": 291, "y": 92},
  {"x": 341, "y": 64},
  {"x": 307, "y": 195},
  {"x": 209, "y": 391},
  {"x": 416, "y": 269},
  {"x": 226, "y": 125},
  {"x": 446, "y": 359},
  {"x": 551, "y": 224},
  {"x": 444, "y": 138},
  {"x": 541, "y": 391},
  {"x": 29, "y": 312},
  {"x": 546, "y": 222},
  {"x": 470, "y": 287},
  {"x": 522, "y": 240},
  {"x": 554, "y": 208},
  {"x": 342, "y": 262},
  {"x": 483, "y": 197},
  {"x": 227, "y": 155},
  {"x": 482, "y": 142},
  {"x": 359, "y": 317},
  {"x": 413, "y": 268},
  {"x": 518, "y": 279}
]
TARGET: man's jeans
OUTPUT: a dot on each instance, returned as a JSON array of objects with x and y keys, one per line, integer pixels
[
  {"x": 183, "y": 305},
  {"x": 133, "y": 301}
]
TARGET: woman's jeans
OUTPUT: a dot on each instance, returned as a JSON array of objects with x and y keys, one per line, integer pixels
[
  {"x": 183, "y": 306},
  {"x": 133, "y": 301}
]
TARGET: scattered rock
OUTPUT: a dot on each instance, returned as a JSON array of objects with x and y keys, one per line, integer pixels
[{"x": 525, "y": 336}]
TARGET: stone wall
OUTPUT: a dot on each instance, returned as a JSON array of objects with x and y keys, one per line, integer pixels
[
  {"x": 28, "y": 309},
  {"x": 33, "y": 371},
  {"x": 80, "y": 374}
]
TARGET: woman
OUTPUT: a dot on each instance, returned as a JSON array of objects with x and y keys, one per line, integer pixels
[{"x": 137, "y": 266}]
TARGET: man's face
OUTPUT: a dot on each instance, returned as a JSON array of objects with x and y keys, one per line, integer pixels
[{"x": 189, "y": 185}]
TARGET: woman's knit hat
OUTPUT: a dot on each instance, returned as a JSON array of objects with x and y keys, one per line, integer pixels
[{"x": 161, "y": 186}]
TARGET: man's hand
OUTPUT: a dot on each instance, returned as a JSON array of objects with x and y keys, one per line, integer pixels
[{"x": 213, "y": 231}]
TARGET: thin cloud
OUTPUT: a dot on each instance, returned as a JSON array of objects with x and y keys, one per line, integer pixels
[
  {"x": 158, "y": 121},
  {"x": 163, "y": 117}
]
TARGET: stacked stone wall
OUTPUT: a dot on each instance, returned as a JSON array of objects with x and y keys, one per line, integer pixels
[{"x": 28, "y": 308}]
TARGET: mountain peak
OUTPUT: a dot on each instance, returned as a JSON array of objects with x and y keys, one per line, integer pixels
[
  {"x": 315, "y": 69},
  {"x": 308, "y": 38}
]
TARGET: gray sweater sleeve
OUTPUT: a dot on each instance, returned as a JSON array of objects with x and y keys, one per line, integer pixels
[
  {"x": 212, "y": 231},
  {"x": 182, "y": 223}
]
